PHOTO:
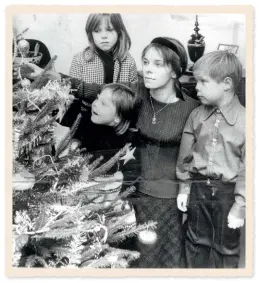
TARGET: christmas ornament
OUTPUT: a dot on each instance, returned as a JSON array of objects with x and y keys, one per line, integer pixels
[
  {"x": 118, "y": 176},
  {"x": 128, "y": 155},
  {"x": 24, "y": 47},
  {"x": 75, "y": 144},
  {"x": 121, "y": 218},
  {"x": 25, "y": 83},
  {"x": 147, "y": 237},
  {"x": 106, "y": 204},
  {"x": 23, "y": 181},
  {"x": 126, "y": 206}
]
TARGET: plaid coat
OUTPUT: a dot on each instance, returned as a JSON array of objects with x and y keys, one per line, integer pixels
[{"x": 93, "y": 71}]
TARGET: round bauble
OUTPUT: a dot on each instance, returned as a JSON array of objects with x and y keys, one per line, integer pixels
[
  {"x": 23, "y": 181},
  {"x": 125, "y": 206},
  {"x": 24, "y": 47},
  {"x": 25, "y": 83},
  {"x": 147, "y": 237},
  {"x": 75, "y": 144},
  {"x": 106, "y": 204},
  {"x": 118, "y": 176}
]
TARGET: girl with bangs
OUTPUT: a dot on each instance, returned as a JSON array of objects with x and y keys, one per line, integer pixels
[
  {"x": 107, "y": 58},
  {"x": 161, "y": 113}
]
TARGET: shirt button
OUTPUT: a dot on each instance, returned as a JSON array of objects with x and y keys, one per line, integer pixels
[
  {"x": 218, "y": 111},
  {"x": 210, "y": 163},
  {"x": 217, "y": 121},
  {"x": 216, "y": 125},
  {"x": 214, "y": 140},
  {"x": 214, "y": 144}
]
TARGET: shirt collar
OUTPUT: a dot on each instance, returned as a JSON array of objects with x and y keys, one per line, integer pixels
[{"x": 229, "y": 111}]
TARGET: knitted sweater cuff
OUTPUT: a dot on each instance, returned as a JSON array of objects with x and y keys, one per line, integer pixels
[{"x": 81, "y": 89}]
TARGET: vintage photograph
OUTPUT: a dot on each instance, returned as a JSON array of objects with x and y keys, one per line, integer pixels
[{"x": 128, "y": 140}]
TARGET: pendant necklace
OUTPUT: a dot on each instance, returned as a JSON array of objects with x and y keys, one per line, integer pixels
[{"x": 156, "y": 112}]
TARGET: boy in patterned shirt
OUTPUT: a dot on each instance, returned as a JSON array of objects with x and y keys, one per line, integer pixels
[{"x": 211, "y": 165}]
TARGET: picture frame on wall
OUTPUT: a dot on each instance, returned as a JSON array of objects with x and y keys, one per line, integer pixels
[{"x": 230, "y": 47}]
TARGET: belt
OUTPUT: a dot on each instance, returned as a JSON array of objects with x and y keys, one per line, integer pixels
[{"x": 212, "y": 182}]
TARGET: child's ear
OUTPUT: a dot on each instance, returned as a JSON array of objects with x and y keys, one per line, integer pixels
[
  {"x": 173, "y": 75},
  {"x": 117, "y": 120},
  {"x": 228, "y": 83}
]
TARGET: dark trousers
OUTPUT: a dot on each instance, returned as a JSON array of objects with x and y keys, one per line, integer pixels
[{"x": 209, "y": 242}]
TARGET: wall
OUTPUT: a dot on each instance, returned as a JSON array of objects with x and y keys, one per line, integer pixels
[{"x": 64, "y": 34}]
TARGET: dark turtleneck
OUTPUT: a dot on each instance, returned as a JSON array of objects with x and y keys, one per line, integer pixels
[{"x": 108, "y": 63}]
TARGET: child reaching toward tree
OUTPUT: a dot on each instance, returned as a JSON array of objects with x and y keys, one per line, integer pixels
[
  {"x": 211, "y": 165},
  {"x": 107, "y": 58},
  {"x": 104, "y": 127}
]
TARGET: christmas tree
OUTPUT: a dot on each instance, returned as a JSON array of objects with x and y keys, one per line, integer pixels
[{"x": 67, "y": 212}]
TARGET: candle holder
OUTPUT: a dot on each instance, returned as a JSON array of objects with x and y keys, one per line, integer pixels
[{"x": 196, "y": 45}]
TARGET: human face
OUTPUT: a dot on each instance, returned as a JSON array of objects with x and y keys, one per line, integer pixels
[
  {"x": 104, "y": 111},
  {"x": 105, "y": 36},
  {"x": 209, "y": 91},
  {"x": 157, "y": 75}
]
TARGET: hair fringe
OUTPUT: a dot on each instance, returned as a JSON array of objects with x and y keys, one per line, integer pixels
[{"x": 123, "y": 43}]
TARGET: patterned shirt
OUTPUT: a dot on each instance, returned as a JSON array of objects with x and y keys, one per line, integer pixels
[
  {"x": 93, "y": 71},
  {"x": 213, "y": 144}
]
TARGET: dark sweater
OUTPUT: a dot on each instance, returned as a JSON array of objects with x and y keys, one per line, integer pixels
[
  {"x": 100, "y": 140},
  {"x": 159, "y": 144}
]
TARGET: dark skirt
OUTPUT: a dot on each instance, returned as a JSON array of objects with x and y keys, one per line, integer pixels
[{"x": 166, "y": 251}]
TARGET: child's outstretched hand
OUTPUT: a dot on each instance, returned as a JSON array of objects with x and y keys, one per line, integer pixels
[
  {"x": 26, "y": 70},
  {"x": 182, "y": 200},
  {"x": 30, "y": 70},
  {"x": 234, "y": 222}
]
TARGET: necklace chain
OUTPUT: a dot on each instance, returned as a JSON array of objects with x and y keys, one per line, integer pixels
[{"x": 156, "y": 112}]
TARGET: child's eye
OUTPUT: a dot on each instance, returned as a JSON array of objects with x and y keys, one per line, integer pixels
[
  {"x": 145, "y": 62},
  {"x": 159, "y": 64},
  {"x": 110, "y": 29},
  {"x": 97, "y": 30}
]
